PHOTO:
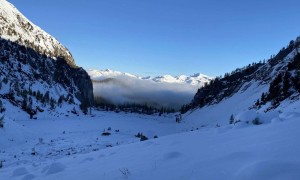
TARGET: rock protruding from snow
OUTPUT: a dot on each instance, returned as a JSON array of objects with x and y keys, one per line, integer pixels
[{"x": 15, "y": 27}]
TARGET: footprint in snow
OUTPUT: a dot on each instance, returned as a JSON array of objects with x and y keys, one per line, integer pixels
[
  {"x": 87, "y": 160},
  {"x": 270, "y": 170},
  {"x": 54, "y": 168},
  {"x": 28, "y": 177},
  {"x": 19, "y": 172},
  {"x": 172, "y": 155}
]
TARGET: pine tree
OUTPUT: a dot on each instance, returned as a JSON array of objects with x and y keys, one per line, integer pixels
[
  {"x": 11, "y": 94},
  {"x": 231, "y": 119},
  {"x": 71, "y": 100},
  {"x": 52, "y": 103},
  {"x": 161, "y": 111},
  {"x": 2, "y": 109},
  {"x": 24, "y": 103},
  {"x": 275, "y": 90},
  {"x": 60, "y": 100},
  {"x": 263, "y": 97},
  {"x": 257, "y": 104},
  {"x": 29, "y": 105},
  {"x": 2, "y": 121},
  {"x": 38, "y": 95},
  {"x": 286, "y": 84},
  {"x": 46, "y": 97},
  {"x": 296, "y": 81},
  {"x": 30, "y": 91}
]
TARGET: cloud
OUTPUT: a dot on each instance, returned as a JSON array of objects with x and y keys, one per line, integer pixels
[{"x": 123, "y": 89}]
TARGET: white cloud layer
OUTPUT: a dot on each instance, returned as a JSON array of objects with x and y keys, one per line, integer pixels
[{"x": 123, "y": 89}]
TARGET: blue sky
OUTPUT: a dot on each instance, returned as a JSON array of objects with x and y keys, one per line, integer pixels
[{"x": 155, "y": 37}]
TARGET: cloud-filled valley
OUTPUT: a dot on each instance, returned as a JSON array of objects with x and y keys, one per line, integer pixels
[{"x": 123, "y": 88}]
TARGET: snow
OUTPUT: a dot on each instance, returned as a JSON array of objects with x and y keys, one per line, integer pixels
[
  {"x": 14, "y": 26},
  {"x": 269, "y": 151},
  {"x": 197, "y": 79},
  {"x": 62, "y": 145},
  {"x": 203, "y": 146}
]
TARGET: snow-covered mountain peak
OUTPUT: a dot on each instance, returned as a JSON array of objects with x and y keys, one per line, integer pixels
[
  {"x": 15, "y": 27},
  {"x": 165, "y": 78},
  {"x": 107, "y": 73},
  {"x": 197, "y": 79}
]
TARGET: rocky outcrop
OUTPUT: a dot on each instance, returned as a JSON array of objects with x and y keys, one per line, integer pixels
[{"x": 67, "y": 75}]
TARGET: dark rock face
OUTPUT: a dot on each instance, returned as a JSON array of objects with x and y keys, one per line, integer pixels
[
  {"x": 85, "y": 86},
  {"x": 64, "y": 72}
]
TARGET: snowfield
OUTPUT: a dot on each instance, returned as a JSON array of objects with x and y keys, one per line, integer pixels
[
  {"x": 74, "y": 148},
  {"x": 62, "y": 143}
]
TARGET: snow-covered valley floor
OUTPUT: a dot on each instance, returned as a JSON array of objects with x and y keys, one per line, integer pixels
[{"x": 74, "y": 148}]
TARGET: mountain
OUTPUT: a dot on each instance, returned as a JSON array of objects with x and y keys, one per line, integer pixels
[
  {"x": 242, "y": 126},
  {"x": 38, "y": 74},
  {"x": 17, "y": 28},
  {"x": 196, "y": 79},
  {"x": 259, "y": 93},
  {"x": 98, "y": 75},
  {"x": 114, "y": 87}
]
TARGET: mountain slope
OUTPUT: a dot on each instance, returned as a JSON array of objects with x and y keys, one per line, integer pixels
[
  {"x": 17, "y": 28},
  {"x": 258, "y": 93},
  {"x": 37, "y": 72},
  {"x": 267, "y": 152}
]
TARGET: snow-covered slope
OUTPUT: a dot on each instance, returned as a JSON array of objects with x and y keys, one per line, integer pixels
[
  {"x": 261, "y": 143},
  {"x": 14, "y": 26},
  {"x": 280, "y": 74},
  {"x": 203, "y": 146},
  {"x": 73, "y": 149},
  {"x": 258, "y": 93},
  {"x": 38, "y": 74}
]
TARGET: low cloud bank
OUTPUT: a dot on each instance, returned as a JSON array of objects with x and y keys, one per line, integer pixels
[{"x": 124, "y": 89}]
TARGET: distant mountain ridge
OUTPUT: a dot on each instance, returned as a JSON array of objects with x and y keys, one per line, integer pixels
[
  {"x": 197, "y": 79},
  {"x": 114, "y": 87}
]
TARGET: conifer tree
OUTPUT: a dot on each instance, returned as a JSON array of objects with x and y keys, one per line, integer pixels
[{"x": 231, "y": 119}]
